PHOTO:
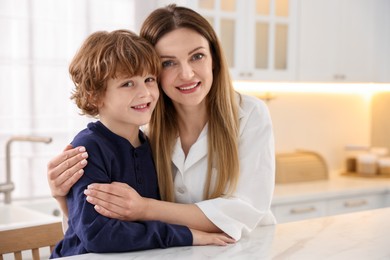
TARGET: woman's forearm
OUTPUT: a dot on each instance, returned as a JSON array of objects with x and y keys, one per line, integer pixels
[
  {"x": 61, "y": 200},
  {"x": 188, "y": 215}
]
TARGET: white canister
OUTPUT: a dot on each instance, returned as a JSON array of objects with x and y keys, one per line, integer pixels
[
  {"x": 351, "y": 153},
  {"x": 367, "y": 164},
  {"x": 384, "y": 166}
]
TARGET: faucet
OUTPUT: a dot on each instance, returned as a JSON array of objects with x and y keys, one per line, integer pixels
[{"x": 9, "y": 186}]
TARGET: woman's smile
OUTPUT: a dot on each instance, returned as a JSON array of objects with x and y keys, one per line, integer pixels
[{"x": 188, "y": 88}]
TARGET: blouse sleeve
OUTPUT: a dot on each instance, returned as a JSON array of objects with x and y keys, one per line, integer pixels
[{"x": 250, "y": 205}]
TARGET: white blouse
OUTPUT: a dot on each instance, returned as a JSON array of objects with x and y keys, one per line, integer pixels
[{"x": 250, "y": 204}]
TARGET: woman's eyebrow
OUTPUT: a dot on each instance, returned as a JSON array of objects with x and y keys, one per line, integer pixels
[
  {"x": 189, "y": 53},
  {"x": 167, "y": 57},
  {"x": 196, "y": 49}
]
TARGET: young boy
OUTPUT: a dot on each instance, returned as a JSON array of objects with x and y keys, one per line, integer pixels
[{"x": 115, "y": 75}]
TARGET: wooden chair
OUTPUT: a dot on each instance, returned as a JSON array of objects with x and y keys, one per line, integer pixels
[{"x": 30, "y": 238}]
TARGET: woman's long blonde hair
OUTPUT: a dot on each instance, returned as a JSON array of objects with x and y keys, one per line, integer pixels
[{"x": 222, "y": 108}]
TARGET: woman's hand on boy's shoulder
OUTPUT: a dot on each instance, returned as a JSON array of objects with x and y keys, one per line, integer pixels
[{"x": 64, "y": 170}]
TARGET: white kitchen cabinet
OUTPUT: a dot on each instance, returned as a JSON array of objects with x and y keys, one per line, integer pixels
[
  {"x": 338, "y": 40},
  {"x": 332, "y": 205},
  {"x": 382, "y": 31},
  {"x": 258, "y": 36},
  {"x": 355, "y": 203},
  {"x": 299, "y": 211},
  {"x": 387, "y": 200}
]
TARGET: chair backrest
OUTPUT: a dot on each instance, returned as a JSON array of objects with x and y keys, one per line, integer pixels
[{"x": 30, "y": 238}]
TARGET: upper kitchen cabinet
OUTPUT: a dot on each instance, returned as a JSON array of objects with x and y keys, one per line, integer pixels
[
  {"x": 257, "y": 36},
  {"x": 343, "y": 40}
]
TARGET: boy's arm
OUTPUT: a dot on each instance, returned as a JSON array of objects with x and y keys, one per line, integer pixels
[{"x": 102, "y": 235}]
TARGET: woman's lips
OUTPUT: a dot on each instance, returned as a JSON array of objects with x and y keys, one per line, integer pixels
[{"x": 189, "y": 88}]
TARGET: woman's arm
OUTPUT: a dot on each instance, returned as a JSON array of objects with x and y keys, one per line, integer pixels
[
  {"x": 63, "y": 171},
  {"x": 120, "y": 201}
]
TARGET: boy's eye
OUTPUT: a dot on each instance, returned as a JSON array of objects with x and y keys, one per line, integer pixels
[
  {"x": 150, "y": 79},
  {"x": 128, "y": 84},
  {"x": 167, "y": 63}
]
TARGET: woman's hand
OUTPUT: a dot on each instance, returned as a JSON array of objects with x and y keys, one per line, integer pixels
[
  {"x": 117, "y": 200},
  {"x": 201, "y": 238},
  {"x": 64, "y": 170}
]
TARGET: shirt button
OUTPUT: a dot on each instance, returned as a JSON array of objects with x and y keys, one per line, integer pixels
[{"x": 181, "y": 190}]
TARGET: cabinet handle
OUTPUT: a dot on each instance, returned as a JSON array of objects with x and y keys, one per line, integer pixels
[
  {"x": 354, "y": 204},
  {"x": 246, "y": 74},
  {"x": 302, "y": 210},
  {"x": 339, "y": 76}
]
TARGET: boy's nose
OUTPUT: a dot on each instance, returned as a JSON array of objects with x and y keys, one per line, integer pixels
[{"x": 143, "y": 90}]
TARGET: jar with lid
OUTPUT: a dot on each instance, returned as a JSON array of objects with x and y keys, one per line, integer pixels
[
  {"x": 384, "y": 166},
  {"x": 351, "y": 153},
  {"x": 366, "y": 164}
]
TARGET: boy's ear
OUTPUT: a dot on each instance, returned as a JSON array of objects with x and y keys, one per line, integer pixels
[{"x": 95, "y": 100}]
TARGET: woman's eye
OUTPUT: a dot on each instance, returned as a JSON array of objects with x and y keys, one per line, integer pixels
[
  {"x": 167, "y": 63},
  {"x": 197, "y": 56}
]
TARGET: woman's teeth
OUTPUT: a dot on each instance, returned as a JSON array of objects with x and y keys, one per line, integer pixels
[{"x": 189, "y": 87}]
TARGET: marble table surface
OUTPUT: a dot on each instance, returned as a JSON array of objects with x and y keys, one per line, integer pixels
[{"x": 361, "y": 235}]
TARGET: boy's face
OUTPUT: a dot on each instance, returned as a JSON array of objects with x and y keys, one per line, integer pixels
[{"x": 128, "y": 102}]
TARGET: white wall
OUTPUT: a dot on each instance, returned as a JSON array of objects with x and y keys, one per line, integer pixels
[{"x": 320, "y": 122}]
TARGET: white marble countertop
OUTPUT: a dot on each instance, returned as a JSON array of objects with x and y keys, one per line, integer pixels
[
  {"x": 337, "y": 185},
  {"x": 362, "y": 235}
]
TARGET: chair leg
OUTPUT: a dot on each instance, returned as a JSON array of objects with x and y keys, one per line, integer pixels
[
  {"x": 35, "y": 253},
  {"x": 18, "y": 255}
]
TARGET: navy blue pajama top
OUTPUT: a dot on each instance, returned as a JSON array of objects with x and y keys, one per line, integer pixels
[{"x": 112, "y": 158}]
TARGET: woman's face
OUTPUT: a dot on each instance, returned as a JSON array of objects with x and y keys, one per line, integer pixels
[{"x": 187, "y": 72}]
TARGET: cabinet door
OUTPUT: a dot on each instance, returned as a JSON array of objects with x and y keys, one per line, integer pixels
[
  {"x": 299, "y": 211},
  {"x": 336, "y": 40},
  {"x": 355, "y": 203},
  {"x": 269, "y": 40},
  {"x": 382, "y": 49},
  {"x": 387, "y": 200}
]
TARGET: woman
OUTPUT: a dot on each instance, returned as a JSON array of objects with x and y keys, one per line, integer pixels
[{"x": 213, "y": 148}]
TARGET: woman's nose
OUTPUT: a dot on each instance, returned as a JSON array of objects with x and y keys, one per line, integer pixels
[{"x": 186, "y": 71}]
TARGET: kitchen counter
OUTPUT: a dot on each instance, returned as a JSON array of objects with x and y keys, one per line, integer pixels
[{"x": 362, "y": 235}]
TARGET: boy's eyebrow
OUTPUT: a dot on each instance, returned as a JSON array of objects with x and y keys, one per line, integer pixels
[{"x": 189, "y": 53}]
